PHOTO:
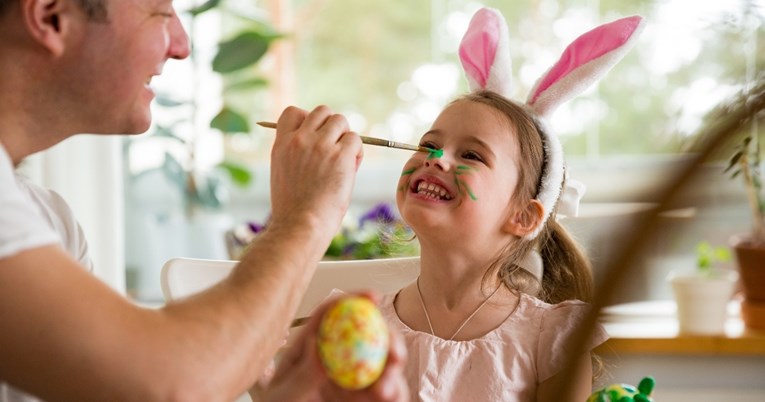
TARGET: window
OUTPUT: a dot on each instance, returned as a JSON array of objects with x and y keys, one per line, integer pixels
[{"x": 390, "y": 66}]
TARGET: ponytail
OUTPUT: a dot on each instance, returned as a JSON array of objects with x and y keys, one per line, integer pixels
[{"x": 567, "y": 270}]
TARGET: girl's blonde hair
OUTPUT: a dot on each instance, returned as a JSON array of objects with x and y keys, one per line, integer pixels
[{"x": 567, "y": 270}]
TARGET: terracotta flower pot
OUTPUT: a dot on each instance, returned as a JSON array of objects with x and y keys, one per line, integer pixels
[
  {"x": 753, "y": 314},
  {"x": 751, "y": 265}
]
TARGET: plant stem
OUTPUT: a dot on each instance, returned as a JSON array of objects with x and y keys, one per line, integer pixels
[
  {"x": 758, "y": 231},
  {"x": 191, "y": 184}
]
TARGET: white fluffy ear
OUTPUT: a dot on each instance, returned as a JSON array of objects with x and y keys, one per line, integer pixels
[
  {"x": 583, "y": 62},
  {"x": 485, "y": 54}
]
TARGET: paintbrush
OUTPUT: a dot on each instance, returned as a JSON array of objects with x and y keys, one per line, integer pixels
[{"x": 371, "y": 140}]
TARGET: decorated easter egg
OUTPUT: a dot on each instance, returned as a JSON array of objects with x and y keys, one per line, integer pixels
[{"x": 353, "y": 342}]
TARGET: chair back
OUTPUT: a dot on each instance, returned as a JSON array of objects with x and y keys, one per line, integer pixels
[{"x": 183, "y": 277}]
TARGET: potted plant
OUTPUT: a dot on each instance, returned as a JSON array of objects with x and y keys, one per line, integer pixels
[
  {"x": 750, "y": 247},
  {"x": 702, "y": 295},
  {"x": 379, "y": 233}
]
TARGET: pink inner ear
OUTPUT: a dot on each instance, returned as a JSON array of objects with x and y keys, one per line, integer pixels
[
  {"x": 479, "y": 46},
  {"x": 587, "y": 47}
]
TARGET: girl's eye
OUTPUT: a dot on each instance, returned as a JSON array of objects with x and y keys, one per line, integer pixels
[
  {"x": 428, "y": 144},
  {"x": 472, "y": 156}
]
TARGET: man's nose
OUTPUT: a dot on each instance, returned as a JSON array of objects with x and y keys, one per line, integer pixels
[{"x": 179, "y": 41}]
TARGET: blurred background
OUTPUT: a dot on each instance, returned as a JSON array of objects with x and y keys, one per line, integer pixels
[{"x": 390, "y": 66}]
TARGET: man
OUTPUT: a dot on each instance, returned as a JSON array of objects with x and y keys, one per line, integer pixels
[{"x": 75, "y": 66}]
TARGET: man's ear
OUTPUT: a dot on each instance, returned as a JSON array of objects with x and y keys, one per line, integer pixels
[
  {"x": 47, "y": 22},
  {"x": 526, "y": 219}
]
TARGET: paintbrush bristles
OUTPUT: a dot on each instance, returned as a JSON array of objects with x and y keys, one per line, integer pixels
[
  {"x": 367, "y": 140},
  {"x": 266, "y": 124}
]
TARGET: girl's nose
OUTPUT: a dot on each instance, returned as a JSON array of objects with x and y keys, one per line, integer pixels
[{"x": 440, "y": 163}]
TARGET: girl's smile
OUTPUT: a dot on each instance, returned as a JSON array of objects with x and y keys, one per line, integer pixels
[{"x": 431, "y": 188}]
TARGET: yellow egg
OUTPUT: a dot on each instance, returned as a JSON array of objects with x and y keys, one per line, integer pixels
[{"x": 353, "y": 342}]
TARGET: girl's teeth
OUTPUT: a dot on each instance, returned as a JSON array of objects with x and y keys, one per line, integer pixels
[{"x": 433, "y": 191}]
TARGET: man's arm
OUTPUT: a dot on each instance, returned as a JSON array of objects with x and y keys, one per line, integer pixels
[{"x": 66, "y": 336}]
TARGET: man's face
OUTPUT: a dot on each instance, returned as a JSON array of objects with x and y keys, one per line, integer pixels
[{"x": 112, "y": 63}]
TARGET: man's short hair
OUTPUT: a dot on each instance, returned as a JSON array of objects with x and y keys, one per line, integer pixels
[{"x": 95, "y": 9}]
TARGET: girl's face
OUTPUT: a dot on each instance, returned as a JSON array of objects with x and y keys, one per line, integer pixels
[{"x": 468, "y": 190}]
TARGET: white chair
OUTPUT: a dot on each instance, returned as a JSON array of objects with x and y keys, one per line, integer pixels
[{"x": 182, "y": 277}]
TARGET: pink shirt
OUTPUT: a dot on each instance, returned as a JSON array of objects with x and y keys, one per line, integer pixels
[{"x": 504, "y": 365}]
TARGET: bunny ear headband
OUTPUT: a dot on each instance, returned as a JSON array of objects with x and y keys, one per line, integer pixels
[{"x": 485, "y": 56}]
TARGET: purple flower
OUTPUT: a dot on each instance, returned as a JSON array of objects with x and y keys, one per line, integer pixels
[
  {"x": 255, "y": 227},
  {"x": 380, "y": 213}
]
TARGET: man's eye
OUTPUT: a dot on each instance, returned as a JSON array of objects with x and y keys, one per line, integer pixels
[{"x": 166, "y": 13}]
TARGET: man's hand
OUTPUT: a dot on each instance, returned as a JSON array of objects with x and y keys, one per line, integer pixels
[
  {"x": 313, "y": 167},
  {"x": 300, "y": 376}
]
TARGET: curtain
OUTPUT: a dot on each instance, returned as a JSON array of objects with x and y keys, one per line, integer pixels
[{"x": 87, "y": 172}]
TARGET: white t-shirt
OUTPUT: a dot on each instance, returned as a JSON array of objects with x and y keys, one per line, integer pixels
[{"x": 30, "y": 217}]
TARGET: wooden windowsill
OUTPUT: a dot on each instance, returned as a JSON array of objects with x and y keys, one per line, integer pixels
[{"x": 651, "y": 328}]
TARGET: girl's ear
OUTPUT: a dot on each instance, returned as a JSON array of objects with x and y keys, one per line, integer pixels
[
  {"x": 526, "y": 220},
  {"x": 48, "y": 22}
]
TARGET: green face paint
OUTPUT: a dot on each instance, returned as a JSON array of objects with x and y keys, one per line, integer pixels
[
  {"x": 463, "y": 169},
  {"x": 461, "y": 185},
  {"x": 435, "y": 153},
  {"x": 405, "y": 173}
]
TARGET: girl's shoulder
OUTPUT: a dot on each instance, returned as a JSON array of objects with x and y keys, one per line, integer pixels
[
  {"x": 531, "y": 307},
  {"x": 553, "y": 321}
]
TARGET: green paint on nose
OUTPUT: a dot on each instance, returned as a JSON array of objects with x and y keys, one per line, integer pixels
[
  {"x": 435, "y": 153},
  {"x": 408, "y": 171}
]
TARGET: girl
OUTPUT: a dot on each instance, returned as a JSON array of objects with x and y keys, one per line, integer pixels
[{"x": 501, "y": 283}]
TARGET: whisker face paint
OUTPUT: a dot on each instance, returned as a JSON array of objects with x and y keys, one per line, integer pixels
[
  {"x": 461, "y": 185},
  {"x": 407, "y": 172}
]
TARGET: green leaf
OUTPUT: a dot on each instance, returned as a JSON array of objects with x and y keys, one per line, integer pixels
[
  {"x": 240, "y": 52},
  {"x": 166, "y": 132},
  {"x": 734, "y": 160},
  {"x": 337, "y": 246},
  {"x": 722, "y": 254},
  {"x": 240, "y": 175},
  {"x": 209, "y": 193},
  {"x": 174, "y": 172},
  {"x": 208, "y": 5},
  {"x": 251, "y": 83},
  {"x": 230, "y": 121},
  {"x": 165, "y": 101}
]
